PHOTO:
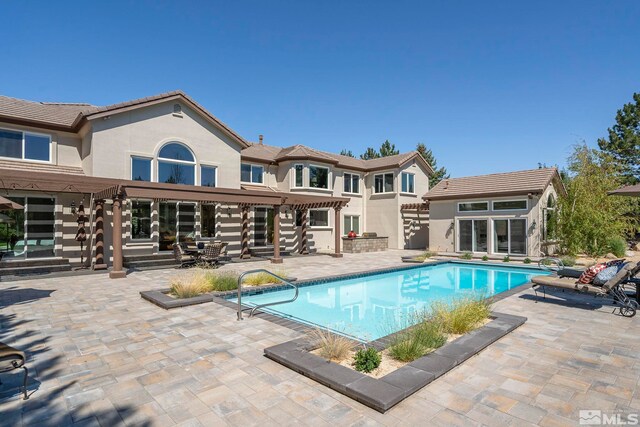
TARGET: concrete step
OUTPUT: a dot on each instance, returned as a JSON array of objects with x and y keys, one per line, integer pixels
[
  {"x": 266, "y": 252},
  {"x": 149, "y": 257},
  {"x": 32, "y": 262},
  {"x": 7, "y": 272},
  {"x": 150, "y": 263}
]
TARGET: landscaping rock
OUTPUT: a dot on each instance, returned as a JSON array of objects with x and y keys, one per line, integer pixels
[
  {"x": 610, "y": 256},
  {"x": 629, "y": 253}
]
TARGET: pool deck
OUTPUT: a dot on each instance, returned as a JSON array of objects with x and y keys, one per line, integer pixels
[{"x": 100, "y": 355}]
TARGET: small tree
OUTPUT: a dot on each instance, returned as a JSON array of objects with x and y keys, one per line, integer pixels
[
  {"x": 438, "y": 173},
  {"x": 346, "y": 152},
  {"x": 371, "y": 153},
  {"x": 588, "y": 218},
  {"x": 388, "y": 149}
]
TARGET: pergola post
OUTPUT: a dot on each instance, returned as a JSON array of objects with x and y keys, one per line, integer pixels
[
  {"x": 244, "y": 251},
  {"x": 276, "y": 235},
  {"x": 99, "y": 235},
  {"x": 338, "y": 233},
  {"x": 304, "y": 248},
  {"x": 116, "y": 270}
]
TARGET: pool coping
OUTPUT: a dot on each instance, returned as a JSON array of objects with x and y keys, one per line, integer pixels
[{"x": 384, "y": 393}]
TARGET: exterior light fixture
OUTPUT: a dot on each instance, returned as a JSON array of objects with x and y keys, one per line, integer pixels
[
  {"x": 73, "y": 207},
  {"x": 229, "y": 211}
]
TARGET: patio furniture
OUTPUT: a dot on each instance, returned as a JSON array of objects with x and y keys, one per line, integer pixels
[
  {"x": 213, "y": 253},
  {"x": 182, "y": 256},
  {"x": 613, "y": 288},
  {"x": 10, "y": 359}
]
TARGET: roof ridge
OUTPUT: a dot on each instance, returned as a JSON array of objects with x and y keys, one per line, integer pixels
[{"x": 503, "y": 173}]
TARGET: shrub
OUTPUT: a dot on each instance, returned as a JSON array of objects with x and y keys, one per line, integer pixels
[
  {"x": 617, "y": 246},
  {"x": 568, "y": 261},
  {"x": 407, "y": 349},
  {"x": 527, "y": 260},
  {"x": 417, "y": 341},
  {"x": 223, "y": 281},
  {"x": 485, "y": 258},
  {"x": 461, "y": 315},
  {"x": 330, "y": 345},
  {"x": 366, "y": 360},
  {"x": 188, "y": 285},
  {"x": 257, "y": 279},
  {"x": 424, "y": 256},
  {"x": 466, "y": 255},
  {"x": 506, "y": 259}
]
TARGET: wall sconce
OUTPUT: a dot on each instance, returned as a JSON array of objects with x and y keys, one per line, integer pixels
[
  {"x": 229, "y": 211},
  {"x": 286, "y": 212},
  {"x": 73, "y": 207},
  {"x": 534, "y": 224}
]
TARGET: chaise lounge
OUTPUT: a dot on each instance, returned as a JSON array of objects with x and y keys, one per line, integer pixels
[
  {"x": 10, "y": 359},
  {"x": 613, "y": 288}
]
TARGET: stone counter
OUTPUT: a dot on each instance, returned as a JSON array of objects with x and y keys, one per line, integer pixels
[{"x": 364, "y": 244}]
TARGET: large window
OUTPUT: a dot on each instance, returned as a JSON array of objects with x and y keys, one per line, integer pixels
[
  {"x": 25, "y": 145},
  {"x": 140, "y": 169},
  {"x": 383, "y": 183},
  {"x": 473, "y": 206},
  {"x": 29, "y": 233},
  {"x": 251, "y": 173},
  {"x": 176, "y": 165},
  {"x": 318, "y": 218},
  {"x": 351, "y": 223},
  {"x": 318, "y": 177},
  {"x": 140, "y": 219},
  {"x": 408, "y": 184},
  {"x": 510, "y": 236},
  {"x": 351, "y": 183},
  {"x": 208, "y": 220},
  {"x": 472, "y": 235},
  {"x": 510, "y": 205},
  {"x": 208, "y": 176},
  {"x": 298, "y": 180}
]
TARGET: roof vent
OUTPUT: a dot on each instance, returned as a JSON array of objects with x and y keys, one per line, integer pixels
[
  {"x": 260, "y": 138},
  {"x": 446, "y": 184}
]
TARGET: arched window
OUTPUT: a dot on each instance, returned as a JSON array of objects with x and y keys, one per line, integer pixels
[{"x": 176, "y": 164}]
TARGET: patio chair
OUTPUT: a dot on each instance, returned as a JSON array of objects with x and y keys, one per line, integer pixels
[
  {"x": 213, "y": 253},
  {"x": 182, "y": 257},
  {"x": 10, "y": 359},
  {"x": 613, "y": 288}
]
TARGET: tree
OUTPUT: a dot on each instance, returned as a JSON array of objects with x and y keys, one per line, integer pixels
[
  {"x": 438, "y": 173},
  {"x": 388, "y": 149},
  {"x": 346, "y": 152},
  {"x": 623, "y": 143},
  {"x": 371, "y": 153},
  {"x": 588, "y": 218}
]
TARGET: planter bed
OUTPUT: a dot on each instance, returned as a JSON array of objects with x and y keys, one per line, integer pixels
[{"x": 383, "y": 393}]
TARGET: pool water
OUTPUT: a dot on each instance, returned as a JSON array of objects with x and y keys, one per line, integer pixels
[{"x": 376, "y": 305}]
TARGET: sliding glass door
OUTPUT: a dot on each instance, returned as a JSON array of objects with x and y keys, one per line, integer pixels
[
  {"x": 472, "y": 235},
  {"x": 510, "y": 236},
  {"x": 177, "y": 222}
]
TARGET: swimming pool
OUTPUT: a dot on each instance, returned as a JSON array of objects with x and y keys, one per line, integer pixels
[{"x": 372, "y": 306}]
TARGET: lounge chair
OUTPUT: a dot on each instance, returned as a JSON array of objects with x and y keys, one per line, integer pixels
[
  {"x": 182, "y": 257},
  {"x": 213, "y": 253},
  {"x": 10, "y": 359},
  {"x": 613, "y": 288}
]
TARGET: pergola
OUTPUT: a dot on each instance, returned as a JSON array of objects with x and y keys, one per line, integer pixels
[{"x": 119, "y": 190}]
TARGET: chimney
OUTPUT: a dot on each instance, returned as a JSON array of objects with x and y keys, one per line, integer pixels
[{"x": 260, "y": 138}]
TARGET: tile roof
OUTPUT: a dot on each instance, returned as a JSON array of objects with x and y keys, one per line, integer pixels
[
  {"x": 630, "y": 190},
  {"x": 40, "y": 167},
  {"x": 58, "y": 114},
  {"x": 497, "y": 184},
  {"x": 272, "y": 154}
]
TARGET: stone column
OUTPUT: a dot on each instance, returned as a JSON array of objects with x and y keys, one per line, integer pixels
[
  {"x": 276, "y": 235},
  {"x": 304, "y": 248},
  {"x": 116, "y": 270},
  {"x": 337, "y": 232},
  {"x": 99, "y": 235},
  {"x": 244, "y": 252}
]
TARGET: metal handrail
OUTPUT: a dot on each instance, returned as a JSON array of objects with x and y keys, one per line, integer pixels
[{"x": 253, "y": 310}]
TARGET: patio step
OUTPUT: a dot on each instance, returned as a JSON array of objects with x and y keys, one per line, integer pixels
[
  {"x": 149, "y": 262},
  {"x": 148, "y": 257},
  {"x": 34, "y": 262},
  {"x": 20, "y": 269},
  {"x": 266, "y": 252}
]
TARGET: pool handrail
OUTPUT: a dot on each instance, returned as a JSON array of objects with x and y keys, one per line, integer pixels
[
  {"x": 262, "y": 270},
  {"x": 546, "y": 263}
]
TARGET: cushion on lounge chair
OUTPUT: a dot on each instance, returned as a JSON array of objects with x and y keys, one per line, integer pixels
[
  {"x": 565, "y": 283},
  {"x": 590, "y": 273},
  {"x": 615, "y": 262},
  {"x": 10, "y": 358},
  {"x": 605, "y": 275},
  {"x": 622, "y": 275}
]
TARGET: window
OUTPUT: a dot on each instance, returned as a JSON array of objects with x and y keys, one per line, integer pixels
[
  {"x": 510, "y": 205},
  {"x": 251, "y": 173},
  {"x": 318, "y": 177},
  {"x": 473, "y": 206},
  {"x": 351, "y": 223},
  {"x": 25, "y": 145},
  {"x": 351, "y": 183},
  {"x": 472, "y": 235},
  {"x": 176, "y": 165},
  {"x": 208, "y": 176},
  {"x": 208, "y": 220},
  {"x": 510, "y": 236},
  {"x": 383, "y": 183},
  {"x": 140, "y": 169},
  {"x": 408, "y": 183},
  {"x": 297, "y": 178},
  {"x": 140, "y": 219},
  {"x": 318, "y": 218}
]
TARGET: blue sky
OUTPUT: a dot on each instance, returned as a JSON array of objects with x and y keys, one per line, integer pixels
[{"x": 489, "y": 86}]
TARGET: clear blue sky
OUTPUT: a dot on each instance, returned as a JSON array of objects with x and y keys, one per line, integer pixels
[{"x": 489, "y": 86}]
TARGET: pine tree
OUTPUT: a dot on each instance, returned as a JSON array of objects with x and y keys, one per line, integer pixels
[
  {"x": 388, "y": 149},
  {"x": 371, "y": 153},
  {"x": 623, "y": 143},
  {"x": 346, "y": 152},
  {"x": 438, "y": 173}
]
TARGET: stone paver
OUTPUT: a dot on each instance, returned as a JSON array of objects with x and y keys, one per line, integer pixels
[{"x": 100, "y": 355}]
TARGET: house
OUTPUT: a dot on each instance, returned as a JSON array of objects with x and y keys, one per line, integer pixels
[
  {"x": 138, "y": 176},
  {"x": 499, "y": 214}
]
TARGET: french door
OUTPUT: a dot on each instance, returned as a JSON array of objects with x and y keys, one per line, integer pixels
[
  {"x": 510, "y": 236},
  {"x": 472, "y": 235},
  {"x": 177, "y": 223}
]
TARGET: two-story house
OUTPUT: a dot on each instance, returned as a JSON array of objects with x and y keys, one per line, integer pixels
[{"x": 139, "y": 176}]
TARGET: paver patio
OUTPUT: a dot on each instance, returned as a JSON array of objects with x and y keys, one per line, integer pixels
[{"x": 100, "y": 355}]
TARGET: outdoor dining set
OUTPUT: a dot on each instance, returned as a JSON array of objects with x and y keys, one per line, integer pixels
[{"x": 201, "y": 253}]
